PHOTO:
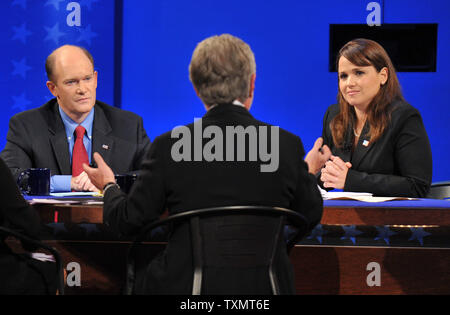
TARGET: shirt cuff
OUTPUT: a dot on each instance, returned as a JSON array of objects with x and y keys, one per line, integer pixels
[{"x": 60, "y": 183}]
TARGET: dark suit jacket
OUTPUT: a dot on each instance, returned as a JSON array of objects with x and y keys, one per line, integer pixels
[
  {"x": 397, "y": 164},
  {"x": 181, "y": 186},
  {"x": 37, "y": 139},
  {"x": 19, "y": 274}
]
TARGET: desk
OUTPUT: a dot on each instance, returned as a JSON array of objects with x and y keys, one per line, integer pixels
[{"x": 397, "y": 247}]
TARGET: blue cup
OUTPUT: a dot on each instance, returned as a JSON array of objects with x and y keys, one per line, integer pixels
[
  {"x": 125, "y": 181},
  {"x": 35, "y": 181}
]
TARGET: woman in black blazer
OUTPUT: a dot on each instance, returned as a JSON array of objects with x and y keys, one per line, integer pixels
[
  {"x": 19, "y": 273},
  {"x": 378, "y": 141}
]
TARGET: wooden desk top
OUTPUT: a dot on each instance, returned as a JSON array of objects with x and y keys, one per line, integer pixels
[{"x": 332, "y": 215}]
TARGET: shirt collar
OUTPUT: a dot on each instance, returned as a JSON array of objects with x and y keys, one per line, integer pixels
[
  {"x": 235, "y": 102},
  {"x": 70, "y": 125}
]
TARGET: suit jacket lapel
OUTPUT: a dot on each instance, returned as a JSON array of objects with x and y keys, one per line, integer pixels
[
  {"x": 346, "y": 151},
  {"x": 363, "y": 146},
  {"x": 102, "y": 142},
  {"x": 58, "y": 140}
]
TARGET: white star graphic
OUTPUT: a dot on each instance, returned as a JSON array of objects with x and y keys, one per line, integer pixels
[
  {"x": 88, "y": 3},
  {"x": 22, "y": 3},
  {"x": 53, "y": 33},
  {"x": 20, "y": 67},
  {"x": 21, "y": 102},
  {"x": 55, "y": 3},
  {"x": 21, "y": 33},
  {"x": 86, "y": 35}
]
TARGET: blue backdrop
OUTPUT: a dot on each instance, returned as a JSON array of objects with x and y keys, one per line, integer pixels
[
  {"x": 289, "y": 38},
  {"x": 290, "y": 41}
]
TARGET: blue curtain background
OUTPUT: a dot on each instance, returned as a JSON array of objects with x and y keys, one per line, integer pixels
[
  {"x": 31, "y": 30},
  {"x": 290, "y": 39}
]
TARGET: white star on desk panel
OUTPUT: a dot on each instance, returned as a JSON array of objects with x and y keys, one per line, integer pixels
[
  {"x": 57, "y": 228},
  {"x": 418, "y": 234},
  {"x": 350, "y": 232},
  {"x": 318, "y": 232},
  {"x": 89, "y": 228},
  {"x": 21, "y": 33},
  {"x": 384, "y": 233}
]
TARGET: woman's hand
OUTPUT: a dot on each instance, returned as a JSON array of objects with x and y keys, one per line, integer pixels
[{"x": 335, "y": 172}]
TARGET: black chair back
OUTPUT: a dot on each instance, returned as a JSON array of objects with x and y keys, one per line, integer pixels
[
  {"x": 58, "y": 261},
  {"x": 439, "y": 190},
  {"x": 238, "y": 238}
]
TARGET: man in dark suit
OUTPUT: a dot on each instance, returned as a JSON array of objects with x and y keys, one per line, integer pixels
[
  {"x": 19, "y": 273},
  {"x": 45, "y": 137},
  {"x": 215, "y": 171}
]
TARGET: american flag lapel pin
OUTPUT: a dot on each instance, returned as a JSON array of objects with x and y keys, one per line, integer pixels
[
  {"x": 365, "y": 143},
  {"x": 106, "y": 147}
]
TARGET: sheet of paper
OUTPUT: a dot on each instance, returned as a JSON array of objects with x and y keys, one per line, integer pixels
[
  {"x": 51, "y": 201},
  {"x": 372, "y": 198},
  {"x": 42, "y": 257},
  {"x": 76, "y": 194},
  {"x": 359, "y": 196},
  {"x": 93, "y": 203}
]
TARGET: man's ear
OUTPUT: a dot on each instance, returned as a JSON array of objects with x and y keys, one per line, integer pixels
[
  {"x": 96, "y": 78},
  {"x": 252, "y": 84},
  {"x": 196, "y": 91},
  {"x": 52, "y": 88}
]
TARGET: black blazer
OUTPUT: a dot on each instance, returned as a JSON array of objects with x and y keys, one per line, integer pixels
[
  {"x": 397, "y": 164},
  {"x": 18, "y": 273},
  {"x": 182, "y": 186},
  {"x": 37, "y": 139}
]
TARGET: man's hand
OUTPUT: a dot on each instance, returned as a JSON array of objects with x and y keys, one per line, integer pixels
[
  {"x": 82, "y": 183},
  {"x": 335, "y": 173},
  {"x": 317, "y": 157},
  {"x": 101, "y": 175}
]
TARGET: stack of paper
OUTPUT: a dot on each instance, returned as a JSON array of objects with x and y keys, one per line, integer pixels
[{"x": 360, "y": 196}]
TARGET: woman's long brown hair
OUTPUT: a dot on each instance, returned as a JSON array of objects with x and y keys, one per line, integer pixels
[{"x": 364, "y": 52}]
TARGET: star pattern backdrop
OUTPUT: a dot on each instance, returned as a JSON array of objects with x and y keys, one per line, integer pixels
[{"x": 32, "y": 29}]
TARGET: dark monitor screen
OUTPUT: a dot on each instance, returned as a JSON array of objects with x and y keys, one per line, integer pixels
[{"x": 411, "y": 47}]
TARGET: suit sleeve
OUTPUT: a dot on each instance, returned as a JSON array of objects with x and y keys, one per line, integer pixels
[
  {"x": 327, "y": 140},
  {"x": 143, "y": 145},
  {"x": 17, "y": 151},
  {"x": 146, "y": 200},
  {"x": 412, "y": 160},
  {"x": 307, "y": 198}
]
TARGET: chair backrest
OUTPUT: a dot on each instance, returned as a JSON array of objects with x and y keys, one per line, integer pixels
[
  {"x": 233, "y": 238},
  {"x": 58, "y": 261},
  {"x": 439, "y": 190}
]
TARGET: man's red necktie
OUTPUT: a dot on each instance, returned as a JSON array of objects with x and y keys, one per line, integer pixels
[{"x": 79, "y": 154}]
